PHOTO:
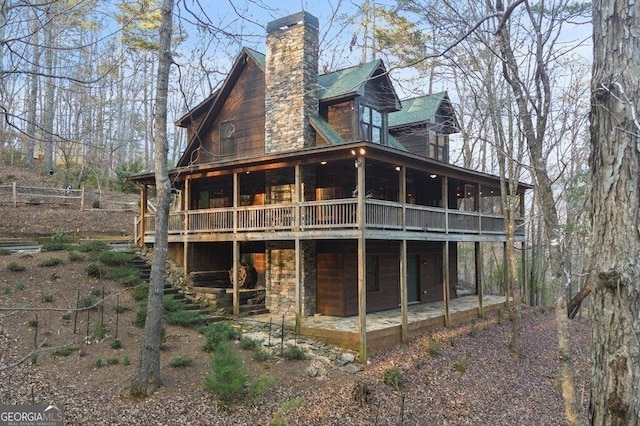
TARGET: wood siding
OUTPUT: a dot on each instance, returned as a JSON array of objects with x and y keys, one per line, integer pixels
[
  {"x": 414, "y": 139},
  {"x": 342, "y": 117},
  {"x": 245, "y": 107},
  {"x": 330, "y": 291}
]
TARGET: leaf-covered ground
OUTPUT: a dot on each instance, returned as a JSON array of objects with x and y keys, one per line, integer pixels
[{"x": 457, "y": 376}]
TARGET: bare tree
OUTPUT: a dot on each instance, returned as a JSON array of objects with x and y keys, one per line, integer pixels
[
  {"x": 615, "y": 243},
  {"x": 147, "y": 376}
]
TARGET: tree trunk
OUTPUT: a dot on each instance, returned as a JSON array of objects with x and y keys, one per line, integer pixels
[
  {"x": 614, "y": 163},
  {"x": 147, "y": 376},
  {"x": 49, "y": 96},
  {"x": 534, "y": 129}
]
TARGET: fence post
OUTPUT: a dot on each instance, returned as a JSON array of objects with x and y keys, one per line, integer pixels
[
  {"x": 15, "y": 195},
  {"x": 82, "y": 198}
]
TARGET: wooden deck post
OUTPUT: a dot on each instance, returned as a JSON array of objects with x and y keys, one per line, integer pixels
[
  {"x": 236, "y": 246},
  {"x": 362, "y": 261},
  {"x": 505, "y": 279},
  {"x": 479, "y": 288},
  {"x": 524, "y": 251},
  {"x": 143, "y": 211},
  {"x": 404, "y": 328},
  {"x": 445, "y": 283},
  {"x": 186, "y": 202},
  {"x": 297, "y": 249},
  {"x": 236, "y": 284}
]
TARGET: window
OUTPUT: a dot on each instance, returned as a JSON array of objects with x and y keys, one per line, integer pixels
[
  {"x": 438, "y": 147},
  {"x": 373, "y": 273},
  {"x": 227, "y": 138},
  {"x": 371, "y": 125}
]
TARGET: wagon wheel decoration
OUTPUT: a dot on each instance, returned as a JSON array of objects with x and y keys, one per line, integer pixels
[{"x": 246, "y": 276}]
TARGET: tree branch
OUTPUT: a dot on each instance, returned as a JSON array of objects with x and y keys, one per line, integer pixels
[{"x": 576, "y": 301}]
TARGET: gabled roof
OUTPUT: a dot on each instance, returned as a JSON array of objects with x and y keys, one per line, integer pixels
[
  {"x": 211, "y": 105},
  {"x": 336, "y": 84},
  {"x": 421, "y": 110},
  {"x": 259, "y": 58},
  {"x": 256, "y": 56},
  {"x": 348, "y": 81}
]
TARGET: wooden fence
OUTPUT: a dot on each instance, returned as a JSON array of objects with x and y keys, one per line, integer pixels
[
  {"x": 18, "y": 194},
  {"x": 15, "y": 194}
]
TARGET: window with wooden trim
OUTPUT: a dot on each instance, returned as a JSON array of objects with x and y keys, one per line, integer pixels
[
  {"x": 227, "y": 138},
  {"x": 371, "y": 125}
]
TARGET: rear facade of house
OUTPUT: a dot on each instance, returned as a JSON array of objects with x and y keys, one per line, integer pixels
[{"x": 323, "y": 194}]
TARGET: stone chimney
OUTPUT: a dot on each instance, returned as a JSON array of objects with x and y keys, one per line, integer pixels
[{"x": 291, "y": 82}]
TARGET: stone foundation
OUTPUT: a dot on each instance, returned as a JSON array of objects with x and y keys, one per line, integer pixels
[{"x": 281, "y": 278}]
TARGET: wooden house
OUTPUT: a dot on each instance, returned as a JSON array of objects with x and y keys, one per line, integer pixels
[{"x": 337, "y": 196}]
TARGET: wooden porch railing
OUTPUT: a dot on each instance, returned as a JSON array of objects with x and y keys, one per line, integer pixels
[{"x": 332, "y": 214}]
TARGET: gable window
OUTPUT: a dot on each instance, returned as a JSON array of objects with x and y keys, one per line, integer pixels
[
  {"x": 227, "y": 138},
  {"x": 371, "y": 125}
]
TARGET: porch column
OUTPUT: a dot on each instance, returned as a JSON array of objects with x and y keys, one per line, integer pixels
[
  {"x": 362, "y": 260},
  {"x": 445, "y": 283},
  {"x": 478, "y": 207},
  {"x": 297, "y": 249},
  {"x": 445, "y": 202},
  {"x": 506, "y": 281},
  {"x": 143, "y": 210},
  {"x": 445, "y": 252},
  {"x": 236, "y": 246},
  {"x": 404, "y": 330},
  {"x": 479, "y": 288},
  {"x": 186, "y": 200},
  {"x": 403, "y": 292},
  {"x": 524, "y": 250}
]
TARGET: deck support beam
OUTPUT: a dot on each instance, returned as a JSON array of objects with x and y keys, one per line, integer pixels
[
  {"x": 479, "y": 288},
  {"x": 446, "y": 296},
  {"x": 297, "y": 249},
  {"x": 236, "y": 284},
  {"x": 143, "y": 211},
  {"x": 506, "y": 280},
  {"x": 236, "y": 246},
  {"x": 186, "y": 201},
  {"x": 404, "y": 328},
  {"x": 403, "y": 292},
  {"x": 362, "y": 260}
]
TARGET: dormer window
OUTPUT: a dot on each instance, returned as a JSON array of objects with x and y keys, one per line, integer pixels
[{"x": 372, "y": 125}]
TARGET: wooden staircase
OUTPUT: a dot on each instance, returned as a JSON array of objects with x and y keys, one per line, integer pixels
[{"x": 189, "y": 304}]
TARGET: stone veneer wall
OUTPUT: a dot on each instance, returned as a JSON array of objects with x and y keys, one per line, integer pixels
[
  {"x": 281, "y": 278},
  {"x": 291, "y": 82}
]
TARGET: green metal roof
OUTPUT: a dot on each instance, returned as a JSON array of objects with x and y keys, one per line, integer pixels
[
  {"x": 395, "y": 143},
  {"x": 327, "y": 131},
  {"x": 258, "y": 57},
  {"x": 346, "y": 81},
  {"x": 417, "y": 110},
  {"x": 334, "y": 84}
]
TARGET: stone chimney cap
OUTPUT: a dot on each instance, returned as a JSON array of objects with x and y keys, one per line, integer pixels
[{"x": 300, "y": 18}]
